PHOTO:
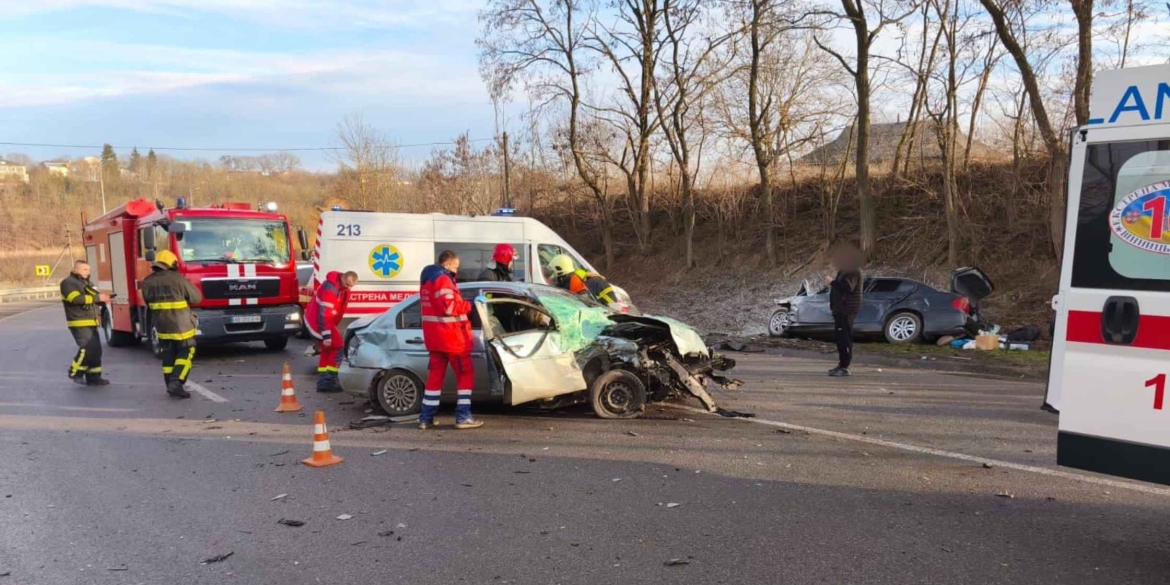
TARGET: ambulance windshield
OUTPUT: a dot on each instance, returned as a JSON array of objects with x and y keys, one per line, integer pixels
[{"x": 234, "y": 241}]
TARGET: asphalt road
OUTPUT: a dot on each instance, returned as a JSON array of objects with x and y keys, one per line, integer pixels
[{"x": 888, "y": 477}]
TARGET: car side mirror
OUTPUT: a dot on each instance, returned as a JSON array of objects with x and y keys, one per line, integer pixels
[
  {"x": 150, "y": 255},
  {"x": 176, "y": 227},
  {"x": 148, "y": 239},
  {"x": 303, "y": 239}
]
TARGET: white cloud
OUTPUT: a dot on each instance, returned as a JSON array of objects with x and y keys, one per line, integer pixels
[
  {"x": 163, "y": 69},
  {"x": 336, "y": 14}
]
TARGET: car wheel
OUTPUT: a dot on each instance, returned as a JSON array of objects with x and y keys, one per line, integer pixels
[
  {"x": 276, "y": 344},
  {"x": 904, "y": 328},
  {"x": 399, "y": 393},
  {"x": 778, "y": 323},
  {"x": 618, "y": 394}
]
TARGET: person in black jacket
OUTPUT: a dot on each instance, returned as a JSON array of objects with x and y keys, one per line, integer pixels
[
  {"x": 504, "y": 255},
  {"x": 169, "y": 296},
  {"x": 83, "y": 317},
  {"x": 845, "y": 303}
]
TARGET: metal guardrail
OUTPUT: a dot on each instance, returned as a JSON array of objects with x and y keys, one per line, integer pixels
[{"x": 28, "y": 294}]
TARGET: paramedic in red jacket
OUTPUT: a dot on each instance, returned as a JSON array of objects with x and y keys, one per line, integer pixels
[
  {"x": 447, "y": 334},
  {"x": 322, "y": 317}
]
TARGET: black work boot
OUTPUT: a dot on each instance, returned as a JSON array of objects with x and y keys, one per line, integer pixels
[
  {"x": 328, "y": 382},
  {"x": 839, "y": 373},
  {"x": 78, "y": 379},
  {"x": 175, "y": 388},
  {"x": 97, "y": 380}
]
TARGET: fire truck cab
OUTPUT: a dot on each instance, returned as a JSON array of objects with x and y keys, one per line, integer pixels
[
  {"x": 240, "y": 259},
  {"x": 1111, "y": 346}
]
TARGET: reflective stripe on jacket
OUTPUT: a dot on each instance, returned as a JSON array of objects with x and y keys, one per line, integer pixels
[
  {"x": 81, "y": 301},
  {"x": 169, "y": 296},
  {"x": 323, "y": 314},
  {"x": 599, "y": 288},
  {"x": 446, "y": 327}
]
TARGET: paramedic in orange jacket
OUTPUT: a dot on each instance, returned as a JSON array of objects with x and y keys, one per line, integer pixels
[
  {"x": 447, "y": 335},
  {"x": 322, "y": 318}
]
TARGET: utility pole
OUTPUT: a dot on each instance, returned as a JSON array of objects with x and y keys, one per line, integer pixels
[
  {"x": 507, "y": 174},
  {"x": 102, "y": 182}
]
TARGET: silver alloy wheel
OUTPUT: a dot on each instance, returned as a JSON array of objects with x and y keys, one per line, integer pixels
[
  {"x": 399, "y": 393},
  {"x": 903, "y": 328},
  {"x": 779, "y": 323}
]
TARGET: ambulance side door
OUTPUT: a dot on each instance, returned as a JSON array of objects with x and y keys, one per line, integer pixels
[{"x": 1111, "y": 355}]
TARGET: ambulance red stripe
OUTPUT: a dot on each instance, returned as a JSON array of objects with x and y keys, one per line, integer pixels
[{"x": 1153, "y": 330}]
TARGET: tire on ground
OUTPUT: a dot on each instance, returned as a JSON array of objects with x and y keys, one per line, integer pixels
[
  {"x": 276, "y": 343},
  {"x": 398, "y": 393},
  {"x": 617, "y": 394},
  {"x": 904, "y": 327}
]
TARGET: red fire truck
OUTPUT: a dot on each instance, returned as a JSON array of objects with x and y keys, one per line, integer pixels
[{"x": 240, "y": 258}]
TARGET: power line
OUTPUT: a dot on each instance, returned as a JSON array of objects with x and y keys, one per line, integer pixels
[{"x": 195, "y": 149}]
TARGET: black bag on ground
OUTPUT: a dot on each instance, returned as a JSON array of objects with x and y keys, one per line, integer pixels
[{"x": 1027, "y": 334}]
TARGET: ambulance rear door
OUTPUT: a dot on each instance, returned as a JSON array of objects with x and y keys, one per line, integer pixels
[{"x": 1111, "y": 354}]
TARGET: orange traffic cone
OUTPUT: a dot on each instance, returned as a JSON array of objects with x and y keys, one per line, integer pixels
[
  {"x": 322, "y": 453},
  {"x": 288, "y": 395}
]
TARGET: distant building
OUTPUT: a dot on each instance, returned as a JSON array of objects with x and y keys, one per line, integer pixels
[
  {"x": 922, "y": 143},
  {"x": 10, "y": 171},
  {"x": 60, "y": 168}
]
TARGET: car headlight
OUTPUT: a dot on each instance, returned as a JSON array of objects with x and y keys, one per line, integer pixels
[{"x": 294, "y": 316}]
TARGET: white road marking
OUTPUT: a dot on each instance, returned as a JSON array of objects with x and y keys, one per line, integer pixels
[
  {"x": 952, "y": 455},
  {"x": 77, "y": 408},
  {"x": 208, "y": 394}
]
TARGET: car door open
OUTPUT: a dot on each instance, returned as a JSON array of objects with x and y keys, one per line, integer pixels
[{"x": 524, "y": 339}]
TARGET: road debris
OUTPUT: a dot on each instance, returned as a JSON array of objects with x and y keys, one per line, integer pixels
[
  {"x": 616, "y": 479},
  {"x": 376, "y": 453},
  {"x": 359, "y": 543},
  {"x": 122, "y": 568},
  {"x": 370, "y": 422},
  {"x": 673, "y": 505},
  {"x": 291, "y": 522},
  {"x": 279, "y": 497},
  {"x": 1005, "y": 495},
  {"x": 633, "y": 434},
  {"x": 345, "y": 517},
  {"x": 988, "y": 466},
  {"x": 386, "y": 533},
  {"x": 279, "y": 454},
  {"x": 217, "y": 558},
  {"x": 677, "y": 562}
]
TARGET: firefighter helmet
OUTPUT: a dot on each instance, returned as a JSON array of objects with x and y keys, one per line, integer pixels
[
  {"x": 561, "y": 265},
  {"x": 166, "y": 258},
  {"x": 504, "y": 254}
]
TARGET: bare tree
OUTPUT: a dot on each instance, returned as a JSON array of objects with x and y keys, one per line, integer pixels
[
  {"x": 630, "y": 45},
  {"x": 1055, "y": 147},
  {"x": 368, "y": 164},
  {"x": 542, "y": 44},
  {"x": 868, "y": 18},
  {"x": 693, "y": 68}
]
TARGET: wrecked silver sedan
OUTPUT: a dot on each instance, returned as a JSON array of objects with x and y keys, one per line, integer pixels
[{"x": 537, "y": 345}]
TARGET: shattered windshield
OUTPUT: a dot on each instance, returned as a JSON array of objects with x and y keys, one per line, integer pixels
[
  {"x": 232, "y": 240},
  {"x": 578, "y": 322}
]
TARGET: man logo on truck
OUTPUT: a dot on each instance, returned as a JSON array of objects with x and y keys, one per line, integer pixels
[{"x": 385, "y": 261}]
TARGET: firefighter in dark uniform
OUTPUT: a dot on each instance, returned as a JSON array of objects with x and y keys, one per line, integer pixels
[
  {"x": 503, "y": 256},
  {"x": 83, "y": 305},
  {"x": 169, "y": 296},
  {"x": 579, "y": 281}
]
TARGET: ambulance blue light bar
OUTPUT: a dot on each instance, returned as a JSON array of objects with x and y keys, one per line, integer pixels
[{"x": 505, "y": 212}]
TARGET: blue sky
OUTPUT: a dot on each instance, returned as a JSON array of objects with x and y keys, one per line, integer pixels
[{"x": 237, "y": 73}]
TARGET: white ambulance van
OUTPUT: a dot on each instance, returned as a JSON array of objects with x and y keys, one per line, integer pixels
[
  {"x": 1111, "y": 354},
  {"x": 389, "y": 250}
]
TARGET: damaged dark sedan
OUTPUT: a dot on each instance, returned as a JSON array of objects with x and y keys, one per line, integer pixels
[{"x": 538, "y": 345}]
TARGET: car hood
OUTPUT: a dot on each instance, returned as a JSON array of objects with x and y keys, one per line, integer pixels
[{"x": 686, "y": 339}]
